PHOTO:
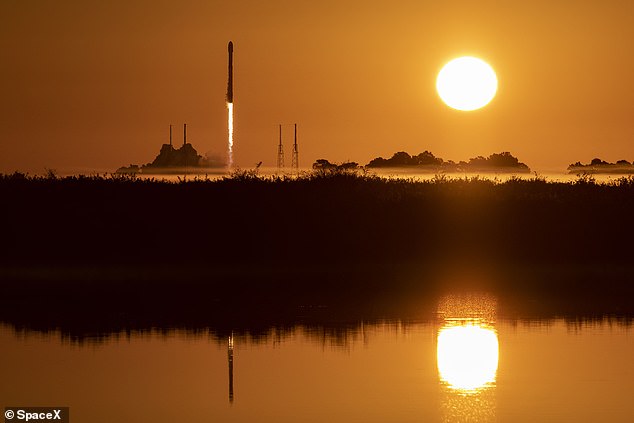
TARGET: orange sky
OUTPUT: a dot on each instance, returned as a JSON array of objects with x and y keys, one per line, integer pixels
[{"x": 94, "y": 85}]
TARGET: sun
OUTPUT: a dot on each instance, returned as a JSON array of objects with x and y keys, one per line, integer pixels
[{"x": 467, "y": 83}]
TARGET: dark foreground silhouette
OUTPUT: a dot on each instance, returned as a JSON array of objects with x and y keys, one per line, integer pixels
[{"x": 94, "y": 255}]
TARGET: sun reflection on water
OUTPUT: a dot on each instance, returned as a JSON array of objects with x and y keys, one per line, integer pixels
[{"x": 467, "y": 357}]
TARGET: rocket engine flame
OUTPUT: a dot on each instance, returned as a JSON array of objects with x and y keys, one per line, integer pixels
[{"x": 230, "y": 127}]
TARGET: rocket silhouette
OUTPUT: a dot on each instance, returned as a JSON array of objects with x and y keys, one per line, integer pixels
[{"x": 230, "y": 78}]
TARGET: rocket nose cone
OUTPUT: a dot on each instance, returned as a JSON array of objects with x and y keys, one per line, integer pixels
[{"x": 230, "y": 45}]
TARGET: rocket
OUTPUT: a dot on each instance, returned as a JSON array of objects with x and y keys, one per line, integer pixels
[{"x": 230, "y": 78}]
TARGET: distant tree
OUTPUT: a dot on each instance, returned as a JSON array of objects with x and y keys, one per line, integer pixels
[
  {"x": 348, "y": 165},
  {"x": 597, "y": 162},
  {"x": 496, "y": 160},
  {"x": 478, "y": 161},
  {"x": 401, "y": 159},
  {"x": 323, "y": 164},
  {"x": 504, "y": 159},
  {"x": 597, "y": 165},
  {"x": 426, "y": 158},
  {"x": 378, "y": 162}
]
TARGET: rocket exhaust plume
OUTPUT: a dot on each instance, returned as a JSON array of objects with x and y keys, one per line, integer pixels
[{"x": 230, "y": 104}]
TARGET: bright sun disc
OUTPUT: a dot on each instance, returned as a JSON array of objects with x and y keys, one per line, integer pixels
[
  {"x": 467, "y": 357},
  {"x": 467, "y": 83}
]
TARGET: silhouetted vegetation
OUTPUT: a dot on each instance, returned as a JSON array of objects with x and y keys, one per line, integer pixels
[
  {"x": 335, "y": 216},
  {"x": 597, "y": 165},
  {"x": 401, "y": 159},
  {"x": 504, "y": 161},
  {"x": 323, "y": 164},
  {"x": 247, "y": 247}
]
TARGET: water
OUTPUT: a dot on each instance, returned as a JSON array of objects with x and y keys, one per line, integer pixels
[{"x": 465, "y": 365}]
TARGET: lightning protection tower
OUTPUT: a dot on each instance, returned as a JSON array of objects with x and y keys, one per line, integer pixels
[
  {"x": 295, "y": 159},
  {"x": 280, "y": 152}
]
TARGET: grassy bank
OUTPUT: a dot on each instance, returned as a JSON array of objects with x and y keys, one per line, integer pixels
[{"x": 321, "y": 218}]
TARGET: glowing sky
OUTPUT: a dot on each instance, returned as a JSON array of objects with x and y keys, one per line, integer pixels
[{"x": 96, "y": 84}]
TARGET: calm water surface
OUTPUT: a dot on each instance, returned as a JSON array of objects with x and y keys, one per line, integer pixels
[{"x": 464, "y": 366}]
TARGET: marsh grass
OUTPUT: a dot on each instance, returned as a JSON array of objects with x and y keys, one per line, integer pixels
[{"x": 324, "y": 218}]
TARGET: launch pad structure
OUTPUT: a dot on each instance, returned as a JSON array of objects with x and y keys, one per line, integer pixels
[
  {"x": 295, "y": 154},
  {"x": 280, "y": 153},
  {"x": 295, "y": 158}
]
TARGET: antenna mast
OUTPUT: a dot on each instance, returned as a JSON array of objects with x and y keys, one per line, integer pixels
[
  {"x": 280, "y": 153},
  {"x": 295, "y": 159}
]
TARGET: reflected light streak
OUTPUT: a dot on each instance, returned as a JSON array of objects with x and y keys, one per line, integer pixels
[
  {"x": 230, "y": 360},
  {"x": 230, "y": 126},
  {"x": 468, "y": 356}
]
